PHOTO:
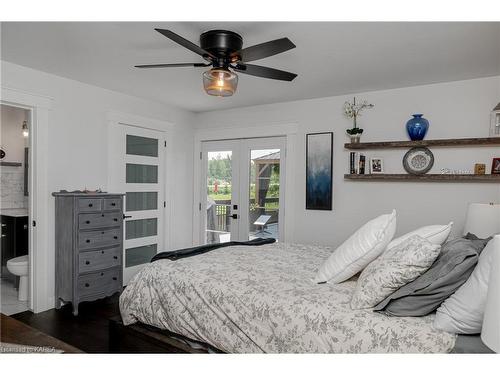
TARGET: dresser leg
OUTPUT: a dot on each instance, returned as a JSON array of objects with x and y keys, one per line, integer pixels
[
  {"x": 59, "y": 303},
  {"x": 75, "y": 309}
]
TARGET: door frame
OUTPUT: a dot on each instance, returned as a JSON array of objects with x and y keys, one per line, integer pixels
[
  {"x": 287, "y": 130},
  {"x": 41, "y": 279},
  {"x": 116, "y": 119}
]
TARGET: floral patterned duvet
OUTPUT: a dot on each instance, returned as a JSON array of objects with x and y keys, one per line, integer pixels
[{"x": 243, "y": 299}]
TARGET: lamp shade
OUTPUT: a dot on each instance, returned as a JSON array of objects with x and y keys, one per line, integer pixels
[
  {"x": 490, "y": 333},
  {"x": 483, "y": 219},
  {"x": 220, "y": 82}
]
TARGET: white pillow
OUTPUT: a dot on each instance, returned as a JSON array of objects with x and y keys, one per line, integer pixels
[
  {"x": 436, "y": 234},
  {"x": 395, "y": 268},
  {"x": 463, "y": 311},
  {"x": 359, "y": 250}
]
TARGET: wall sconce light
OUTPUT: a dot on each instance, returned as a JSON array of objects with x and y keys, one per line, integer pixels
[{"x": 26, "y": 132}]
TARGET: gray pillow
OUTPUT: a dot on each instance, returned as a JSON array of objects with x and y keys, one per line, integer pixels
[
  {"x": 472, "y": 236},
  {"x": 451, "y": 269}
]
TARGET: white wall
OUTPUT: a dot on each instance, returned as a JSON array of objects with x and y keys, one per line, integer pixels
[
  {"x": 78, "y": 144},
  {"x": 13, "y": 143},
  {"x": 456, "y": 109}
]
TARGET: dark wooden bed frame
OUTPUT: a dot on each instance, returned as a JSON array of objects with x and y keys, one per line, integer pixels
[{"x": 143, "y": 338}]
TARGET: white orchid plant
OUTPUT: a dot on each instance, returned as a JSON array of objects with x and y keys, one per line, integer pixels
[{"x": 353, "y": 110}]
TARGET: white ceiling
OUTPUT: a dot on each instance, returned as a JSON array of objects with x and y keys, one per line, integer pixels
[{"x": 330, "y": 58}]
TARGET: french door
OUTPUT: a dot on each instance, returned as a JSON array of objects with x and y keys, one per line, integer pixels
[
  {"x": 138, "y": 171},
  {"x": 242, "y": 183}
]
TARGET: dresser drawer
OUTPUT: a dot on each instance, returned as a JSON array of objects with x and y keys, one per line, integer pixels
[
  {"x": 112, "y": 204},
  {"x": 98, "y": 282},
  {"x": 106, "y": 219},
  {"x": 97, "y": 260},
  {"x": 99, "y": 238},
  {"x": 89, "y": 204}
]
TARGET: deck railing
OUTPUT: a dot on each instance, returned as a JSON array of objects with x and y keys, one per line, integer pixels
[{"x": 223, "y": 213}]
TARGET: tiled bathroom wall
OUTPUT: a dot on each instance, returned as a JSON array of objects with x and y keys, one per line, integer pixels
[{"x": 12, "y": 187}]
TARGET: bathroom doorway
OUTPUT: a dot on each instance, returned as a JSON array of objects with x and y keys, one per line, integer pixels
[{"x": 15, "y": 200}]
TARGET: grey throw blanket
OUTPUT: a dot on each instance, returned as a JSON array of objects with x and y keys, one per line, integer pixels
[{"x": 191, "y": 251}]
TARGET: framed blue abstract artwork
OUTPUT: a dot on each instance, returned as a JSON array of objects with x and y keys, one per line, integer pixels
[{"x": 319, "y": 171}]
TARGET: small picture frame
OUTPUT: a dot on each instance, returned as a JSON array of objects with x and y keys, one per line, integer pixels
[
  {"x": 479, "y": 168},
  {"x": 376, "y": 165},
  {"x": 495, "y": 166}
]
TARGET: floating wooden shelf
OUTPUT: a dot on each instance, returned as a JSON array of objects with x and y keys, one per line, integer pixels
[
  {"x": 455, "y": 142},
  {"x": 425, "y": 177}
]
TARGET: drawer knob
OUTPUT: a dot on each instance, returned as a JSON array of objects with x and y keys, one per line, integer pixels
[
  {"x": 115, "y": 237},
  {"x": 102, "y": 273},
  {"x": 87, "y": 285},
  {"x": 90, "y": 205},
  {"x": 87, "y": 241},
  {"x": 113, "y": 204},
  {"x": 87, "y": 262},
  {"x": 115, "y": 219},
  {"x": 114, "y": 278},
  {"x": 87, "y": 222},
  {"x": 115, "y": 257},
  {"x": 102, "y": 215},
  {"x": 102, "y": 251}
]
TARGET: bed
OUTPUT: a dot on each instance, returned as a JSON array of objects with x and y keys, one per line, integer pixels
[{"x": 262, "y": 300}]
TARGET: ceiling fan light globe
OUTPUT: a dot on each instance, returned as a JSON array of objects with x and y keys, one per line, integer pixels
[{"x": 220, "y": 82}]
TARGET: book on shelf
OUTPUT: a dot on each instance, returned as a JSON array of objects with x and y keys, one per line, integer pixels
[
  {"x": 362, "y": 164},
  {"x": 352, "y": 156},
  {"x": 357, "y": 163}
]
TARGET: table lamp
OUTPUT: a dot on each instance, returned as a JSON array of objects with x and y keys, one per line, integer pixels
[
  {"x": 490, "y": 333},
  {"x": 483, "y": 219}
]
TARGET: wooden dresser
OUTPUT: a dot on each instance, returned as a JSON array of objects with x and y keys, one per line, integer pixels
[{"x": 89, "y": 246}]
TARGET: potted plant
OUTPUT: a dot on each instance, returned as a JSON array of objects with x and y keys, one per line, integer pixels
[{"x": 353, "y": 111}]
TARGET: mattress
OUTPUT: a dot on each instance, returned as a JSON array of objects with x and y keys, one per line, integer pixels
[{"x": 262, "y": 300}]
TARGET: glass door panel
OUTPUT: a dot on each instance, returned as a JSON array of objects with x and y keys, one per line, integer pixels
[
  {"x": 264, "y": 193},
  {"x": 219, "y": 185}
]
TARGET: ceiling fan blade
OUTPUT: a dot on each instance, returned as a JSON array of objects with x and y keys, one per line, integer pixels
[
  {"x": 178, "y": 65},
  {"x": 267, "y": 49},
  {"x": 185, "y": 43},
  {"x": 264, "y": 72}
]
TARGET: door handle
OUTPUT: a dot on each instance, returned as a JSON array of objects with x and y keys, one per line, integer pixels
[
  {"x": 234, "y": 216},
  {"x": 127, "y": 216}
]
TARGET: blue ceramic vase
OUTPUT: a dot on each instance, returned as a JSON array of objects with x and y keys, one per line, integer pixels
[{"x": 417, "y": 127}]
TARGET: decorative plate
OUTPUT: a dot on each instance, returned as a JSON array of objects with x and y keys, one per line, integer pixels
[{"x": 418, "y": 160}]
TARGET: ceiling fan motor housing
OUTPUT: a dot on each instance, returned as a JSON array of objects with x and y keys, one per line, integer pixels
[{"x": 221, "y": 43}]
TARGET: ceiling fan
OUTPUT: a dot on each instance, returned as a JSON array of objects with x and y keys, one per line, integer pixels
[{"x": 222, "y": 50}]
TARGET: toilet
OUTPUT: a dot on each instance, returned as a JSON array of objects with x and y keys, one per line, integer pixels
[{"x": 19, "y": 267}]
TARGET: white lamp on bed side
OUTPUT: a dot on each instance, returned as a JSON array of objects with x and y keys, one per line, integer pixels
[
  {"x": 483, "y": 219},
  {"x": 490, "y": 333}
]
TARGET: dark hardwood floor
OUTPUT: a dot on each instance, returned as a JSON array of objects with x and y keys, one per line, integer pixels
[{"x": 89, "y": 331}]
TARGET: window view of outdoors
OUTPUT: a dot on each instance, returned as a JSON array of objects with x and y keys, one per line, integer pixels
[
  {"x": 219, "y": 187},
  {"x": 263, "y": 195}
]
